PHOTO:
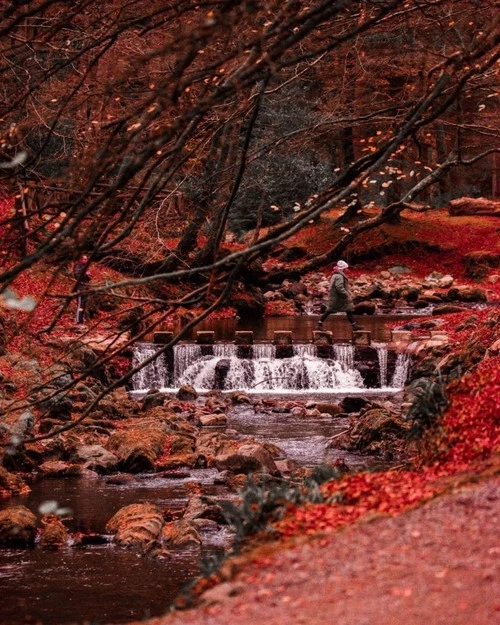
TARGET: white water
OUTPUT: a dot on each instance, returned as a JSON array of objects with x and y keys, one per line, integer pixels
[{"x": 262, "y": 373}]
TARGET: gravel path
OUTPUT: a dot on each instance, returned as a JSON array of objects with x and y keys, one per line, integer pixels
[{"x": 437, "y": 565}]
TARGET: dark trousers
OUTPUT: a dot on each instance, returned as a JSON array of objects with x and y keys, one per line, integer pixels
[
  {"x": 349, "y": 313},
  {"x": 80, "y": 309}
]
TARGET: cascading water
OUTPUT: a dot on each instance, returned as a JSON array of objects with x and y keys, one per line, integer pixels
[
  {"x": 401, "y": 370},
  {"x": 382, "y": 361},
  {"x": 153, "y": 374},
  {"x": 223, "y": 367}
]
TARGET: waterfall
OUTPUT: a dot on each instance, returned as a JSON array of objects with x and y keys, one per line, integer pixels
[
  {"x": 382, "y": 361},
  {"x": 222, "y": 366},
  {"x": 278, "y": 374},
  {"x": 151, "y": 375},
  {"x": 184, "y": 355},
  {"x": 401, "y": 371},
  {"x": 344, "y": 353}
]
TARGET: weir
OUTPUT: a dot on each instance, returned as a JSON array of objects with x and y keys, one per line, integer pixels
[{"x": 261, "y": 367}]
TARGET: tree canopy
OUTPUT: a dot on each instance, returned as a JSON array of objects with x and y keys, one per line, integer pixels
[{"x": 150, "y": 134}]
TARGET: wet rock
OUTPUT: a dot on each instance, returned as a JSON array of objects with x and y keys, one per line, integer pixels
[
  {"x": 210, "y": 444},
  {"x": 181, "y": 444},
  {"x": 286, "y": 466},
  {"x": 54, "y": 534},
  {"x": 58, "y": 468},
  {"x": 216, "y": 404},
  {"x": 262, "y": 454},
  {"x": 186, "y": 393},
  {"x": 410, "y": 294},
  {"x": 376, "y": 431},
  {"x": 445, "y": 282},
  {"x": 178, "y": 461},
  {"x": 237, "y": 463},
  {"x": 17, "y": 527},
  {"x": 331, "y": 409},
  {"x": 212, "y": 419},
  {"x": 180, "y": 533},
  {"x": 430, "y": 298},
  {"x": 203, "y": 507},
  {"x": 353, "y": 404},
  {"x": 240, "y": 397},
  {"x": 11, "y": 484},
  {"x": 138, "y": 526},
  {"x": 206, "y": 525},
  {"x": 220, "y": 374},
  {"x": 96, "y": 458},
  {"x": 152, "y": 399},
  {"x": 138, "y": 448}
]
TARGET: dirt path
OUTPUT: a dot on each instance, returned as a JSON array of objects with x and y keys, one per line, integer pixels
[{"x": 437, "y": 565}]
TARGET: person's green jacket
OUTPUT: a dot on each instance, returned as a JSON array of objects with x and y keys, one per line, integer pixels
[{"x": 340, "y": 299}]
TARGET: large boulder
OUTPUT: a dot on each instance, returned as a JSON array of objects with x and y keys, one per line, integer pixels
[
  {"x": 238, "y": 463},
  {"x": 375, "y": 431},
  {"x": 138, "y": 526},
  {"x": 250, "y": 457},
  {"x": 262, "y": 455},
  {"x": 139, "y": 447},
  {"x": 17, "y": 527},
  {"x": 96, "y": 458}
]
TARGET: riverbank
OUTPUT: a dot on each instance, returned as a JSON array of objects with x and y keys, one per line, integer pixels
[{"x": 434, "y": 565}]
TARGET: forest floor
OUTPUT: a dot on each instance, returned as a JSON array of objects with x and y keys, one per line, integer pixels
[{"x": 434, "y": 565}]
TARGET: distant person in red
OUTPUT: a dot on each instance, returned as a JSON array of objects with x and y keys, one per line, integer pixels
[
  {"x": 82, "y": 277},
  {"x": 340, "y": 299}
]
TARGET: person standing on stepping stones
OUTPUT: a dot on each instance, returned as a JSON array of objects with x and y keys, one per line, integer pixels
[{"x": 339, "y": 299}]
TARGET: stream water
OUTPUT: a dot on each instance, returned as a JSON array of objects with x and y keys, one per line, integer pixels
[
  {"x": 102, "y": 583},
  {"x": 301, "y": 326}
]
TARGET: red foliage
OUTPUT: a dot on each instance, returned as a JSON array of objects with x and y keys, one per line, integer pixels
[
  {"x": 278, "y": 308},
  {"x": 471, "y": 423}
]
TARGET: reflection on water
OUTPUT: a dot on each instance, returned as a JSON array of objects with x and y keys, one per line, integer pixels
[
  {"x": 99, "y": 583},
  {"x": 96, "y": 584},
  {"x": 103, "y": 584}
]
